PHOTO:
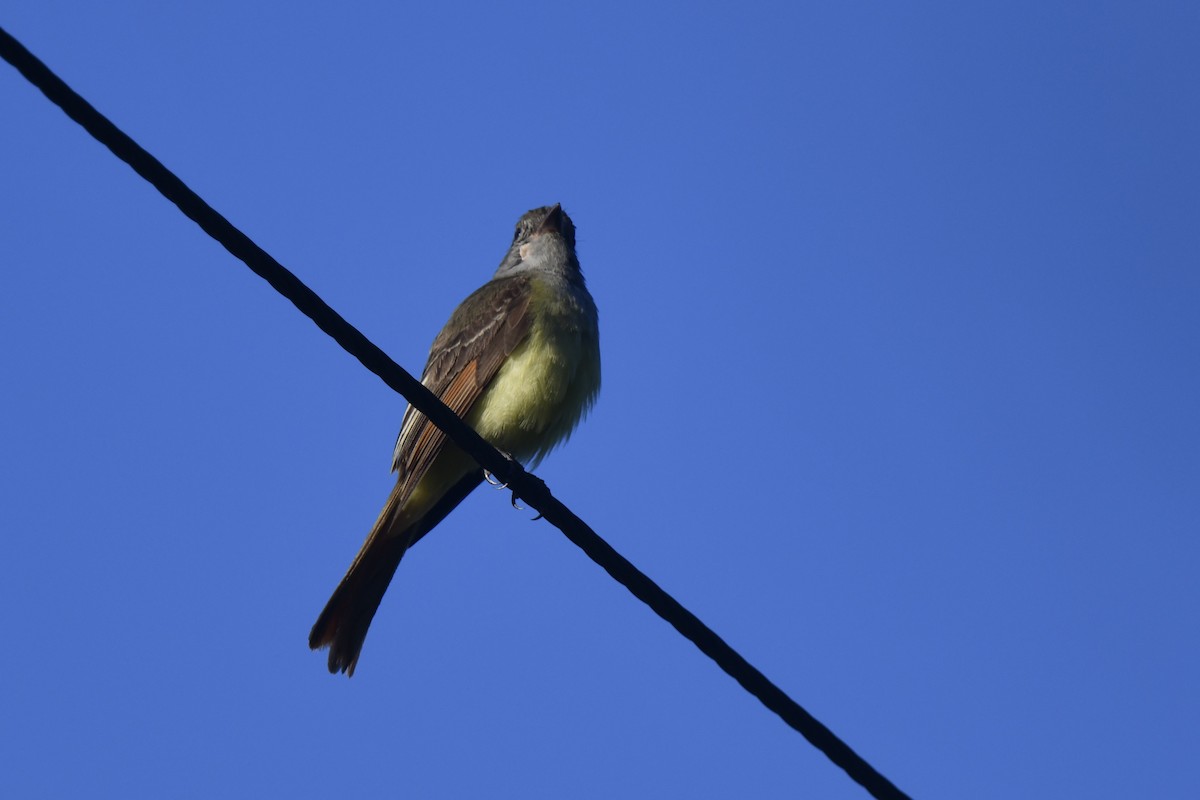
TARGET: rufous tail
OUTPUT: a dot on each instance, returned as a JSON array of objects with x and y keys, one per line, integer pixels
[{"x": 343, "y": 625}]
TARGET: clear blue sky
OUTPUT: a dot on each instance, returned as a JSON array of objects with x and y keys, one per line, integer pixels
[{"x": 900, "y": 314}]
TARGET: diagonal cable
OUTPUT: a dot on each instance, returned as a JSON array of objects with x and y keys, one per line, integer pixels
[{"x": 524, "y": 485}]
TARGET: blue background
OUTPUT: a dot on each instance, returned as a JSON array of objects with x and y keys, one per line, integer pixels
[{"x": 900, "y": 314}]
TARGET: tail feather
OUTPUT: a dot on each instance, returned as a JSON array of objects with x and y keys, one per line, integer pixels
[{"x": 342, "y": 625}]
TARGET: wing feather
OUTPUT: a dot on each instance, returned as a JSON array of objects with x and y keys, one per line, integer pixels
[{"x": 482, "y": 332}]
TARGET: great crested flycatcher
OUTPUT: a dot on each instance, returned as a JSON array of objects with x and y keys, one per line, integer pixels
[{"x": 519, "y": 361}]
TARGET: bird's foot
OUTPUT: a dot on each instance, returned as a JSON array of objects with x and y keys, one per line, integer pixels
[{"x": 496, "y": 482}]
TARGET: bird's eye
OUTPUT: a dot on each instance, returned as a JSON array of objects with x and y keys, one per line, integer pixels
[{"x": 517, "y": 233}]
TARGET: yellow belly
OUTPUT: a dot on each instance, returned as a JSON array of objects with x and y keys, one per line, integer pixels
[{"x": 544, "y": 387}]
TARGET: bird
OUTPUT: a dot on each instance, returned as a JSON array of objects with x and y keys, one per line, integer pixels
[{"x": 518, "y": 361}]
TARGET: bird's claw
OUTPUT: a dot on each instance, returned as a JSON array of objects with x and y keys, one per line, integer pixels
[{"x": 493, "y": 481}]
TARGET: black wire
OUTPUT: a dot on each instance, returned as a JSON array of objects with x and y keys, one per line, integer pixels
[{"x": 528, "y": 487}]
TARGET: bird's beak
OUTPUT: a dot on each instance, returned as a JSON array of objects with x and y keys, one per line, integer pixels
[{"x": 553, "y": 220}]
